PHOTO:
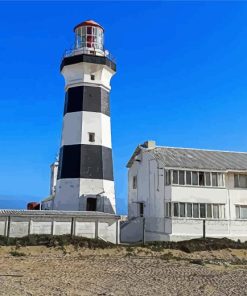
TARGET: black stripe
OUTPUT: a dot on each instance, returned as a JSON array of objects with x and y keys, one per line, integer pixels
[
  {"x": 85, "y": 161},
  {"x": 87, "y": 98},
  {"x": 87, "y": 59}
]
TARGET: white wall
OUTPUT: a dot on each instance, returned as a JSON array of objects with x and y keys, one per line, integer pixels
[
  {"x": 67, "y": 194},
  {"x": 105, "y": 228},
  {"x": 132, "y": 231},
  {"x": 80, "y": 73},
  {"x": 150, "y": 187},
  {"x": 78, "y": 125}
]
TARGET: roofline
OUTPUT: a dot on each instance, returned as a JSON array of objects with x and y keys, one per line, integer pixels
[
  {"x": 141, "y": 148},
  {"x": 200, "y": 149}
]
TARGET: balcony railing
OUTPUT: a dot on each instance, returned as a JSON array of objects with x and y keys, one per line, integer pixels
[{"x": 81, "y": 50}]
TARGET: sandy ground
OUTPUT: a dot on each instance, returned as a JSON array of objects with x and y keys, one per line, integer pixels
[{"x": 120, "y": 271}]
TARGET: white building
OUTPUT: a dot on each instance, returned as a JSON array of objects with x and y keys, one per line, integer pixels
[{"x": 176, "y": 189}]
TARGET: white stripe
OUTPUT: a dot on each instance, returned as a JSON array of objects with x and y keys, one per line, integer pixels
[
  {"x": 79, "y": 73},
  {"x": 69, "y": 190},
  {"x": 78, "y": 125}
]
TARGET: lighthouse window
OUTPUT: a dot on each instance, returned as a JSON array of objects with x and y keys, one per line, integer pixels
[
  {"x": 92, "y": 77},
  {"x": 91, "y": 137}
]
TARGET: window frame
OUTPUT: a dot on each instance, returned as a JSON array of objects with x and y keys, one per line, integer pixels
[
  {"x": 91, "y": 137},
  {"x": 194, "y": 210},
  {"x": 191, "y": 178},
  {"x": 237, "y": 178},
  {"x": 239, "y": 215},
  {"x": 134, "y": 182}
]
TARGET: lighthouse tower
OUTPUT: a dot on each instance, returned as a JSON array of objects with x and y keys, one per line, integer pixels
[{"x": 85, "y": 173}]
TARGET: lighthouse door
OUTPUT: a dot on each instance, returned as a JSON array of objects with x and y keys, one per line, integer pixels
[{"x": 91, "y": 204}]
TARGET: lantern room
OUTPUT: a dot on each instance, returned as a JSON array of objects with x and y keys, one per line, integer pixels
[{"x": 89, "y": 37}]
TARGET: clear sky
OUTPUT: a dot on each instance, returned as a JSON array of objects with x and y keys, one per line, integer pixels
[{"x": 181, "y": 80}]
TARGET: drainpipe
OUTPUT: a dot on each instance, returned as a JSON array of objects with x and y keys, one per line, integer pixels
[{"x": 229, "y": 205}]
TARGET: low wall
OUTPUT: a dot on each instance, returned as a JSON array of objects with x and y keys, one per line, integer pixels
[
  {"x": 177, "y": 229},
  {"x": 86, "y": 224},
  {"x": 132, "y": 231}
]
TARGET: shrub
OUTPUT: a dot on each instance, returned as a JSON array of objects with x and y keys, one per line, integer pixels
[{"x": 17, "y": 254}]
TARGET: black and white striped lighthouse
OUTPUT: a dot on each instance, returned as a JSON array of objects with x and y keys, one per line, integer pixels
[{"x": 85, "y": 174}]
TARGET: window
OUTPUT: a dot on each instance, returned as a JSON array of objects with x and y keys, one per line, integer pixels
[
  {"x": 216, "y": 211},
  {"x": 208, "y": 179},
  {"x": 182, "y": 209},
  {"x": 201, "y": 179},
  {"x": 91, "y": 37},
  {"x": 222, "y": 211},
  {"x": 141, "y": 209},
  {"x": 236, "y": 183},
  {"x": 240, "y": 181},
  {"x": 89, "y": 30},
  {"x": 92, "y": 77},
  {"x": 168, "y": 177},
  {"x": 175, "y": 209},
  {"x": 168, "y": 209},
  {"x": 214, "y": 179},
  {"x": 241, "y": 212},
  {"x": 181, "y": 177},
  {"x": 91, "y": 137},
  {"x": 189, "y": 209},
  {"x": 195, "y": 211},
  {"x": 188, "y": 177},
  {"x": 134, "y": 182},
  {"x": 209, "y": 211},
  {"x": 202, "y": 210},
  {"x": 175, "y": 177},
  {"x": 220, "y": 180},
  {"x": 194, "y": 178}
]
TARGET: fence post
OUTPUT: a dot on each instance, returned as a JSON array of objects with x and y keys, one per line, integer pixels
[
  {"x": 204, "y": 228},
  {"x": 52, "y": 226},
  {"x": 117, "y": 232},
  {"x": 8, "y": 228},
  {"x": 72, "y": 226},
  {"x": 29, "y": 226},
  {"x": 143, "y": 229},
  {"x": 96, "y": 229}
]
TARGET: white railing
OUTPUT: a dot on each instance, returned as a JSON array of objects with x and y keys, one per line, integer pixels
[{"x": 81, "y": 50}]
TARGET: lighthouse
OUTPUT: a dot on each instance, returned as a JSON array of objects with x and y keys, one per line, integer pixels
[{"x": 85, "y": 174}]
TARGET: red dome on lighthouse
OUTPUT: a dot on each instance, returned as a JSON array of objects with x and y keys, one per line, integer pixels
[{"x": 89, "y": 23}]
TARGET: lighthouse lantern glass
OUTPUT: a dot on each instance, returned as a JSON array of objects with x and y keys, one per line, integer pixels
[{"x": 89, "y": 37}]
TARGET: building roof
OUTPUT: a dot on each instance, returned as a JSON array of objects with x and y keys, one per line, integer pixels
[
  {"x": 190, "y": 158},
  {"x": 88, "y": 23}
]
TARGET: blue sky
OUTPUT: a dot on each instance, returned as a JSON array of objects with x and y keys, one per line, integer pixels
[{"x": 181, "y": 81}]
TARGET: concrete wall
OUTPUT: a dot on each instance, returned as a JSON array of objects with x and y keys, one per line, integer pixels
[
  {"x": 132, "y": 231},
  {"x": 177, "y": 229},
  {"x": 106, "y": 228},
  {"x": 150, "y": 187}
]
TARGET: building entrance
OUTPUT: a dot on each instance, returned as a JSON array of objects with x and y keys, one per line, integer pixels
[{"x": 91, "y": 204}]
